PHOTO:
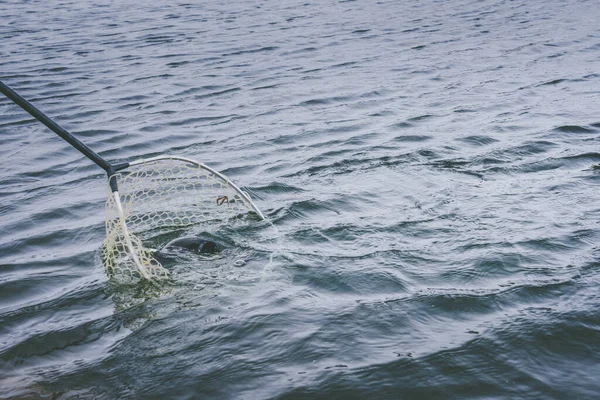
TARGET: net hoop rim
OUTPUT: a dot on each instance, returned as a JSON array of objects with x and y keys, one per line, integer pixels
[{"x": 239, "y": 191}]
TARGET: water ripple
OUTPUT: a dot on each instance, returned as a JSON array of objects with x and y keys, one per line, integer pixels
[{"x": 430, "y": 175}]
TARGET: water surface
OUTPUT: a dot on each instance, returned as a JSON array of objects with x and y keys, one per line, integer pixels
[{"x": 431, "y": 170}]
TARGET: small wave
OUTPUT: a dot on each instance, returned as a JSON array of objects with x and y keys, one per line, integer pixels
[
  {"x": 573, "y": 129},
  {"x": 478, "y": 140},
  {"x": 251, "y": 51}
]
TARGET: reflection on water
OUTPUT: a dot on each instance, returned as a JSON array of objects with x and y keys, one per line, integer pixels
[{"x": 429, "y": 172}]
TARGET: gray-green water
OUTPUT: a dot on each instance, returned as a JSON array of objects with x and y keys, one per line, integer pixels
[{"x": 429, "y": 168}]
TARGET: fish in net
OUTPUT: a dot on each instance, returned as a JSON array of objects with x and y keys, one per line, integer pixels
[{"x": 170, "y": 193}]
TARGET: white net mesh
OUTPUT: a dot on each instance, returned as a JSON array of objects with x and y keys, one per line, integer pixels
[{"x": 160, "y": 194}]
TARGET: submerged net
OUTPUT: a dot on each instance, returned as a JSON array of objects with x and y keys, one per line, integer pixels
[{"x": 164, "y": 193}]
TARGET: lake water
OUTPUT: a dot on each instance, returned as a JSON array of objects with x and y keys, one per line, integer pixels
[{"x": 431, "y": 170}]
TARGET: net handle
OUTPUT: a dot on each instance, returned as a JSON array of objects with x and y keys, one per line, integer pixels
[
  {"x": 225, "y": 179},
  {"x": 56, "y": 128},
  {"x": 63, "y": 133}
]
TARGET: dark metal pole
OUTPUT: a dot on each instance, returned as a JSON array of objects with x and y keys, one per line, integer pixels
[{"x": 60, "y": 131}]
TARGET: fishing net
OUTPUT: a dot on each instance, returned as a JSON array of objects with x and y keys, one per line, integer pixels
[{"x": 164, "y": 193}]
